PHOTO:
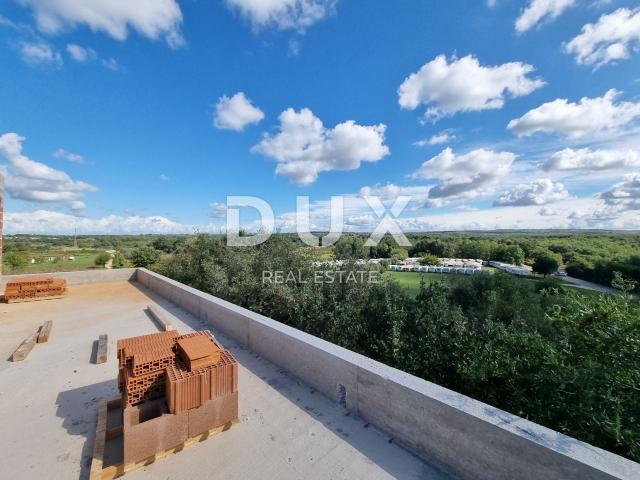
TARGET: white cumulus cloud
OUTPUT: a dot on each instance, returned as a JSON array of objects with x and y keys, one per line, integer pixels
[
  {"x": 39, "y": 53},
  {"x": 625, "y": 194},
  {"x": 588, "y": 159},
  {"x": 589, "y": 116},
  {"x": 236, "y": 113},
  {"x": 218, "y": 210},
  {"x": 304, "y": 147},
  {"x": 155, "y": 19},
  {"x": 36, "y": 182},
  {"x": 283, "y": 14},
  {"x": 81, "y": 54},
  {"x": 71, "y": 157},
  {"x": 538, "y": 10},
  {"x": 446, "y": 87},
  {"x": 48, "y": 222},
  {"x": 613, "y": 37},
  {"x": 462, "y": 177},
  {"x": 437, "y": 139},
  {"x": 538, "y": 192}
]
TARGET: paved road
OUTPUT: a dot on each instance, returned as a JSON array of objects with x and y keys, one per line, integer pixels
[{"x": 578, "y": 282}]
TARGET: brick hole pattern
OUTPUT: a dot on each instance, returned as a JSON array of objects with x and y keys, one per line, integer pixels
[
  {"x": 150, "y": 368},
  {"x": 152, "y": 361},
  {"x": 35, "y": 287},
  {"x": 190, "y": 389},
  {"x": 142, "y": 362},
  {"x": 143, "y": 387},
  {"x": 152, "y": 341}
]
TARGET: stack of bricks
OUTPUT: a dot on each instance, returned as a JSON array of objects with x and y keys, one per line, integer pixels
[
  {"x": 203, "y": 372},
  {"x": 33, "y": 288},
  {"x": 173, "y": 387},
  {"x": 189, "y": 369},
  {"x": 142, "y": 362}
]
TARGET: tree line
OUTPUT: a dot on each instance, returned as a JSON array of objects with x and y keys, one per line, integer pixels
[{"x": 564, "y": 359}]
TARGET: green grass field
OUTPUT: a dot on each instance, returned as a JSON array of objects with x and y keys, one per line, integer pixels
[
  {"x": 82, "y": 261},
  {"x": 410, "y": 281}
]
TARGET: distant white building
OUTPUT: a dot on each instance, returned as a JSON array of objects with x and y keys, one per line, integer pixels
[
  {"x": 438, "y": 269},
  {"x": 521, "y": 271}
]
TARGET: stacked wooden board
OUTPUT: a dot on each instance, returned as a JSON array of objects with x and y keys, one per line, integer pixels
[{"x": 34, "y": 288}]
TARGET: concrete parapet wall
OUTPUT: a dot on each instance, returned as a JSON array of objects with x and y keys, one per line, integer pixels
[
  {"x": 82, "y": 277},
  {"x": 468, "y": 437}
]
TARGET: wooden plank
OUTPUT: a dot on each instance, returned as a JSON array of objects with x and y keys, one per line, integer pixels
[
  {"x": 160, "y": 318},
  {"x": 114, "y": 432},
  {"x": 31, "y": 299},
  {"x": 101, "y": 353},
  {"x": 45, "y": 331},
  {"x": 115, "y": 403},
  {"x": 25, "y": 347},
  {"x": 98, "y": 444}
]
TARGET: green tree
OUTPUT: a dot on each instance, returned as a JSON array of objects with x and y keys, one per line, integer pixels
[
  {"x": 580, "y": 268},
  {"x": 384, "y": 249},
  {"x": 102, "y": 259},
  {"x": 399, "y": 253},
  {"x": 433, "y": 339},
  {"x": 144, "y": 256},
  {"x": 620, "y": 282},
  {"x": 429, "y": 259},
  {"x": 350, "y": 247},
  {"x": 512, "y": 254},
  {"x": 119, "y": 261},
  {"x": 15, "y": 260},
  {"x": 546, "y": 263},
  {"x": 165, "y": 244}
]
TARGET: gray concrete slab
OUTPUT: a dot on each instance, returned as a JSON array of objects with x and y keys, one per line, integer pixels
[{"x": 287, "y": 429}]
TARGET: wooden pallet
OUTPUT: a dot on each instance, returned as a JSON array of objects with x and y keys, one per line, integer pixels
[
  {"x": 30, "y": 299},
  {"x": 110, "y": 437}
]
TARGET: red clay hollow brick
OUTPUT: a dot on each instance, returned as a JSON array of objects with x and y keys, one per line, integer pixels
[
  {"x": 34, "y": 287},
  {"x": 152, "y": 360},
  {"x": 143, "y": 387},
  {"x": 199, "y": 350},
  {"x": 189, "y": 389},
  {"x": 213, "y": 413},
  {"x": 136, "y": 344},
  {"x": 148, "y": 429}
]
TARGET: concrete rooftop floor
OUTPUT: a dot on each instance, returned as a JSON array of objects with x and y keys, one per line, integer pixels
[{"x": 49, "y": 401}]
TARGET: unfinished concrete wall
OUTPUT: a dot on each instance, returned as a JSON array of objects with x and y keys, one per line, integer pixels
[
  {"x": 82, "y": 277},
  {"x": 468, "y": 437}
]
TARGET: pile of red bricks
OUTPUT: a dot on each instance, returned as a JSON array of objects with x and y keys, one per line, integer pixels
[
  {"x": 204, "y": 371},
  {"x": 173, "y": 387},
  {"x": 32, "y": 288},
  {"x": 142, "y": 362}
]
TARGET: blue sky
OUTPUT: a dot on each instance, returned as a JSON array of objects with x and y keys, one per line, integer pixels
[{"x": 117, "y": 118}]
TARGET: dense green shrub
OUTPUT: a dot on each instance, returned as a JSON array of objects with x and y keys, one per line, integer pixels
[
  {"x": 101, "y": 259},
  {"x": 564, "y": 359},
  {"x": 144, "y": 256}
]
